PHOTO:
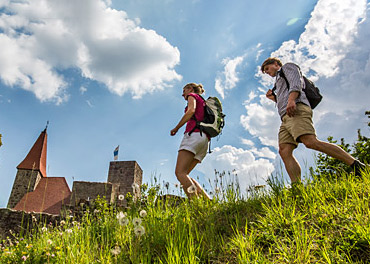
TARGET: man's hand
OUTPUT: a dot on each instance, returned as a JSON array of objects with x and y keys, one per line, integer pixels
[
  {"x": 270, "y": 95},
  {"x": 291, "y": 107}
]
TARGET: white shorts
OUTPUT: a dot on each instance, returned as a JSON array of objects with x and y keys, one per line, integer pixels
[{"x": 196, "y": 144}]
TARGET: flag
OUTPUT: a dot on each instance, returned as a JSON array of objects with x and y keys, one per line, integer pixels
[{"x": 115, "y": 152}]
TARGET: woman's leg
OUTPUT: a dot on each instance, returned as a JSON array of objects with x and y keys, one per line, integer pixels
[
  {"x": 186, "y": 163},
  {"x": 200, "y": 190}
]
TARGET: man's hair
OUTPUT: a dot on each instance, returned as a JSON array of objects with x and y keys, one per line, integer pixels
[{"x": 270, "y": 61}]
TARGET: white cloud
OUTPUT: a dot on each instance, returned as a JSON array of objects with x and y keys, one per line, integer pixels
[
  {"x": 89, "y": 103},
  {"x": 250, "y": 171},
  {"x": 247, "y": 142},
  {"x": 261, "y": 120},
  {"x": 42, "y": 36},
  {"x": 83, "y": 89},
  {"x": 228, "y": 79}
]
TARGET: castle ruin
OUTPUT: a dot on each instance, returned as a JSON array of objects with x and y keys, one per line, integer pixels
[{"x": 33, "y": 191}]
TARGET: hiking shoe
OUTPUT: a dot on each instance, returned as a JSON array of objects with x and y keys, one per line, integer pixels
[{"x": 357, "y": 167}]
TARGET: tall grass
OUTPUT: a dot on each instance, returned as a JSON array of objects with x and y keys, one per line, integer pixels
[{"x": 321, "y": 221}]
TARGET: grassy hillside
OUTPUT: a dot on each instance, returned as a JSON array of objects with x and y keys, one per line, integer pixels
[{"x": 321, "y": 221}]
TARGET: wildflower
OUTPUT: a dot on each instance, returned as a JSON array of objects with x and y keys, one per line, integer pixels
[
  {"x": 62, "y": 222},
  {"x": 24, "y": 258},
  {"x": 217, "y": 190},
  {"x": 29, "y": 246},
  {"x": 135, "y": 187},
  {"x": 34, "y": 219},
  {"x": 139, "y": 230},
  {"x": 143, "y": 213},
  {"x": 49, "y": 242},
  {"x": 96, "y": 211},
  {"x": 116, "y": 250},
  {"x": 121, "y": 197},
  {"x": 136, "y": 221},
  {"x": 123, "y": 221},
  {"x": 69, "y": 231},
  {"x": 44, "y": 229},
  {"x": 192, "y": 189},
  {"x": 121, "y": 215}
]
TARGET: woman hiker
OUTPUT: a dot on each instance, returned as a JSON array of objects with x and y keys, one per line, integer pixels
[{"x": 193, "y": 147}]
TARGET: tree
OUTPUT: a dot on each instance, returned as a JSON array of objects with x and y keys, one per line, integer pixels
[{"x": 360, "y": 150}]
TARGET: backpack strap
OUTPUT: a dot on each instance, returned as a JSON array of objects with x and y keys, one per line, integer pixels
[
  {"x": 282, "y": 75},
  {"x": 197, "y": 123}
]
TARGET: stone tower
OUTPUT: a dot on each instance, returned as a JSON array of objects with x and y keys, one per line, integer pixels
[
  {"x": 128, "y": 175},
  {"x": 30, "y": 171}
]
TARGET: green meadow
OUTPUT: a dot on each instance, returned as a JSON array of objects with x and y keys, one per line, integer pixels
[{"x": 323, "y": 220}]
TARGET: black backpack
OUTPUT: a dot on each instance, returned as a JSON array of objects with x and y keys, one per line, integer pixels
[{"x": 312, "y": 92}]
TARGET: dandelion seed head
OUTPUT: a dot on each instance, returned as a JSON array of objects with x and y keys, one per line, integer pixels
[
  {"x": 192, "y": 189},
  {"x": 116, "y": 250},
  {"x": 139, "y": 230},
  {"x": 124, "y": 221},
  {"x": 121, "y": 215},
  {"x": 143, "y": 213},
  {"x": 136, "y": 221},
  {"x": 121, "y": 197}
]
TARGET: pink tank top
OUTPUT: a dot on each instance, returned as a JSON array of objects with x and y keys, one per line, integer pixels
[{"x": 199, "y": 113}]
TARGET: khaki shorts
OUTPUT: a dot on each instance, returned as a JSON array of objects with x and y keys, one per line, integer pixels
[
  {"x": 196, "y": 144},
  {"x": 293, "y": 127}
]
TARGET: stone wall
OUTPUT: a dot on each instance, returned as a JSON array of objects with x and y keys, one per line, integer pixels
[
  {"x": 86, "y": 191},
  {"x": 20, "y": 222},
  {"x": 25, "y": 181},
  {"x": 126, "y": 173}
]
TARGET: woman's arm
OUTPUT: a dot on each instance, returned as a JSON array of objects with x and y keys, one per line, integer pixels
[{"x": 187, "y": 116}]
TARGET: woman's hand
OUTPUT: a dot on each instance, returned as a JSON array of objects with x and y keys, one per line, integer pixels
[{"x": 174, "y": 131}]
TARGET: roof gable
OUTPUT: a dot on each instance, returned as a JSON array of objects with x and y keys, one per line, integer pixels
[
  {"x": 36, "y": 157},
  {"x": 49, "y": 196}
]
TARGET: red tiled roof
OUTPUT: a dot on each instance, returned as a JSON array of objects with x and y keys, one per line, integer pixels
[
  {"x": 48, "y": 197},
  {"x": 36, "y": 158}
]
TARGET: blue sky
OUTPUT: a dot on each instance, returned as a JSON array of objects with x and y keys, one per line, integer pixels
[{"x": 108, "y": 73}]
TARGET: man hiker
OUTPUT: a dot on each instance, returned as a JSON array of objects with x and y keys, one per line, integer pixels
[{"x": 296, "y": 116}]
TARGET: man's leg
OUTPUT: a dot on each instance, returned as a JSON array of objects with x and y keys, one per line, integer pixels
[
  {"x": 311, "y": 142},
  {"x": 291, "y": 164}
]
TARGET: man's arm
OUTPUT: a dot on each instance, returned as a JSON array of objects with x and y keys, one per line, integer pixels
[
  {"x": 270, "y": 95},
  {"x": 296, "y": 83},
  {"x": 291, "y": 106}
]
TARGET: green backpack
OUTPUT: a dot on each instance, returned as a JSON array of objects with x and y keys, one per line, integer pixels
[{"x": 214, "y": 119}]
